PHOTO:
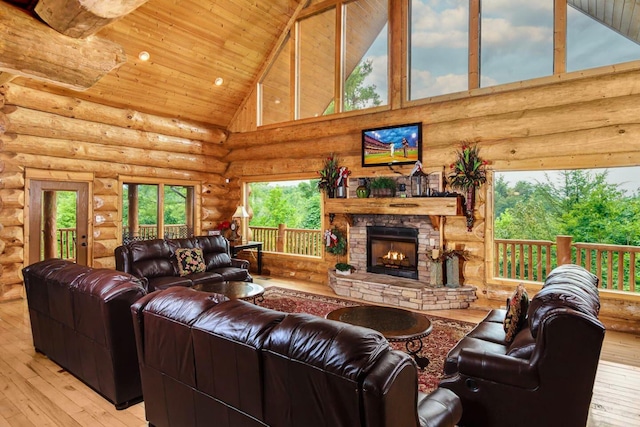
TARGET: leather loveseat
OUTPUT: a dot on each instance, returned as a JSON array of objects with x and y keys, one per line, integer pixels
[
  {"x": 156, "y": 261},
  {"x": 81, "y": 319},
  {"x": 207, "y": 361},
  {"x": 545, "y": 376}
]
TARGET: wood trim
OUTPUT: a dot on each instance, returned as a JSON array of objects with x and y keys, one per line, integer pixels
[
  {"x": 560, "y": 37},
  {"x": 397, "y": 45},
  {"x": 474, "y": 44},
  {"x": 56, "y": 175},
  {"x": 339, "y": 58}
]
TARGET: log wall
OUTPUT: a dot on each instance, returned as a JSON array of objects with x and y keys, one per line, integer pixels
[
  {"x": 46, "y": 132},
  {"x": 577, "y": 121}
]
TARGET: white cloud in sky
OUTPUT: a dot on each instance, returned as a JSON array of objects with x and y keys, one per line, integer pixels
[
  {"x": 437, "y": 27},
  {"x": 430, "y": 85}
]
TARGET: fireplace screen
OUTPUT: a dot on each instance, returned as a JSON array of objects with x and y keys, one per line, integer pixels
[{"x": 392, "y": 250}]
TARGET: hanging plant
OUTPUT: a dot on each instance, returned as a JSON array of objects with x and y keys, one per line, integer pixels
[
  {"x": 335, "y": 242},
  {"x": 468, "y": 171}
]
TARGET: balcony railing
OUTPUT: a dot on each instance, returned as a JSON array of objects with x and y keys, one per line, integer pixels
[
  {"x": 297, "y": 241},
  {"x": 150, "y": 231},
  {"x": 617, "y": 266}
]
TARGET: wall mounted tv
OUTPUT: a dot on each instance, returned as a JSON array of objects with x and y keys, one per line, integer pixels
[{"x": 392, "y": 145}]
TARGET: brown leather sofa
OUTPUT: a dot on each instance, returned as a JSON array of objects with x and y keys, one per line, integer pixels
[
  {"x": 155, "y": 260},
  {"x": 545, "y": 376},
  {"x": 81, "y": 319},
  {"x": 206, "y": 361}
]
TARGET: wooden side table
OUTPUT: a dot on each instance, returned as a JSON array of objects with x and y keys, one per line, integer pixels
[{"x": 238, "y": 247}]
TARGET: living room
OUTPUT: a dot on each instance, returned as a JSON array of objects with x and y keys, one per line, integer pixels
[{"x": 125, "y": 129}]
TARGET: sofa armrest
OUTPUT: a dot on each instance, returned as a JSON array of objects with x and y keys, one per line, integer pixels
[
  {"x": 240, "y": 263},
  {"x": 441, "y": 408},
  {"x": 497, "y": 368}
]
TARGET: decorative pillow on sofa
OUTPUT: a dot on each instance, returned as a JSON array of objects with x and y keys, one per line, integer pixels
[
  {"x": 517, "y": 307},
  {"x": 190, "y": 260}
]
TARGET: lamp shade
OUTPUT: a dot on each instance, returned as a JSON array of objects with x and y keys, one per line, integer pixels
[{"x": 240, "y": 213}]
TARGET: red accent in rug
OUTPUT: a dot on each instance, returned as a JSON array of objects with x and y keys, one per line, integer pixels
[{"x": 445, "y": 334}]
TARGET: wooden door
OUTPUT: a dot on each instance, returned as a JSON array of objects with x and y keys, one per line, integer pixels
[{"x": 44, "y": 235}]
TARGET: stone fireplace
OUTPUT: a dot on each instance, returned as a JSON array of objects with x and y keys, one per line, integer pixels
[
  {"x": 378, "y": 284},
  {"x": 392, "y": 251},
  {"x": 401, "y": 229}
]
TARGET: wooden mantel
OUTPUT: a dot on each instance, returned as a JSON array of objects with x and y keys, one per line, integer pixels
[{"x": 434, "y": 207}]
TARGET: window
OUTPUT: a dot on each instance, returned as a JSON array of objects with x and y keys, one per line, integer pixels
[
  {"x": 596, "y": 208},
  {"x": 275, "y": 99},
  {"x": 594, "y": 44},
  {"x": 366, "y": 59},
  {"x": 286, "y": 216},
  {"x": 439, "y": 47},
  {"x": 152, "y": 211},
  {"x": 516, "y": 41},
  {"x": 316, "y": 56}
]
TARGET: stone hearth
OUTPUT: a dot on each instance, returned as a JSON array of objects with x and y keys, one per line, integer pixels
[{"x": 400, "y": 292}]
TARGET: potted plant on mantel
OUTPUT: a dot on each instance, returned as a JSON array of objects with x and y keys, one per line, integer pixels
[
  {"x": 333, "y": 177},
  {"x": 468, "y": 174},
  {"x": 383, "y": 186}
]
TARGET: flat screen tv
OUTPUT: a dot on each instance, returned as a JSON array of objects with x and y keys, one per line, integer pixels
[{"x": 392, "y": 145}]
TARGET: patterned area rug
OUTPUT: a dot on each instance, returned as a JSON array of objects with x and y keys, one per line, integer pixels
[{"x": 444, "y": 336}]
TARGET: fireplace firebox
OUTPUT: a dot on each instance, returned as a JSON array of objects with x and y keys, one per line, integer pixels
[{"x": 393, "y": 251}]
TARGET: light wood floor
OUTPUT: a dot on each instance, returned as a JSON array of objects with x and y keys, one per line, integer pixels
[{"x": 36, "y": 392}]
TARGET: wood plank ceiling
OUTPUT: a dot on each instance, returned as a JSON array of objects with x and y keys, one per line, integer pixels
[
  {"x": 622, "y": 16},
  {"x": 193, "y": 42}
]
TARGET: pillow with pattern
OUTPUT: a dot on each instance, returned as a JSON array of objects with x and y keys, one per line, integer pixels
[
  {"x": 190, "y": 260},
  {"x": 516, "y": 315}
]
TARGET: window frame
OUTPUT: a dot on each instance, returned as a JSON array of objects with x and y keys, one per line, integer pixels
[{"x": 161, "y": 183}]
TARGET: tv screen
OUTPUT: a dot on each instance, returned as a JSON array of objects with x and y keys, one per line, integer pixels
[{"x": 392, "y": 145}]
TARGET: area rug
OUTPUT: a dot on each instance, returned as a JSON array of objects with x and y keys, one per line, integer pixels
[{"x": 445, "y": 334}]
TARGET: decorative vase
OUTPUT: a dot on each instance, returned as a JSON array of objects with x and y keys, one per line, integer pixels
[
  {"x": 469, "y": 203},
  {"x": 453, "y": 272},
  {"x": 436, "y": 274},
  {"x": 362, "y": 191},
  {"x": 341, "y": 192},
  {"x": 331, "y": 192}
]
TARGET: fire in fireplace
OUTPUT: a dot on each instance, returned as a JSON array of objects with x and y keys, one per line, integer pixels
[{"x": 393, "y": 251}]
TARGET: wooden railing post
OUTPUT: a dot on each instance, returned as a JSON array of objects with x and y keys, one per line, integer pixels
[
  {"x": 563, "y": 246},
  {"x": 281, "y": 237}
]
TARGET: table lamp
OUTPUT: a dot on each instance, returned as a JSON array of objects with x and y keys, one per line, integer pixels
[{"x": 235, "y": 225}]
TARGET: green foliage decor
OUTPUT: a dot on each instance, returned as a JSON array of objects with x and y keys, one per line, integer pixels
[
  {"x": 383, "y": 182},
  {"x": 468, "y": 171},
  {"x": 329, "y": 174},
  {"x": 343, "y": 266},
  {"x": 335, "y": 242}
]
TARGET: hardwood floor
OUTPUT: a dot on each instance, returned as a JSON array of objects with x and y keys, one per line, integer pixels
[{"x": 36, "y": 392}]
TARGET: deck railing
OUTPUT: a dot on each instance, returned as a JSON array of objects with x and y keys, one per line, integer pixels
[
  {"x": 617, "y": 266},
  {"x": 297, "y": 241},
  {"x": 66, "y": 238}
]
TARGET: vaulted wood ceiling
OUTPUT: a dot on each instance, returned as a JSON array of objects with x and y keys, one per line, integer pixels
[{"x": 193, "y": 42}]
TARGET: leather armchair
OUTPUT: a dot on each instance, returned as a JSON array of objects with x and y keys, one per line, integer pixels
[{"x": 545, "y": 376}]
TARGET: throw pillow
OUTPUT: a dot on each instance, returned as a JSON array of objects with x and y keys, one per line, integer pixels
[
  {"x": 517, "y": 307},
  {"x": 190, "y": 261}
]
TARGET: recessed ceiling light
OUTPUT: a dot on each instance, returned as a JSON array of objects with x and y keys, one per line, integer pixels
[
  {"x": 277, "y": 101},
  {"x": 218, "y": 81},
  {"x": 144, "y": 55}
]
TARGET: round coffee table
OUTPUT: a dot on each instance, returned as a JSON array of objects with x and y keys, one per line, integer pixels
[
  {"x": 396, "y": 324},
  {"x": 233, "y": 289}
]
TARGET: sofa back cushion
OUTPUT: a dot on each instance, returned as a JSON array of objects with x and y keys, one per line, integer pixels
[
  {"x": 314, "y": 370},
  {"x": 151, "y": 258},
  {"x": 567, "y": 287},
  {"x": 215, "y": 250},
  {"x": 168, "y": 318},
  {"x": 227, "y": 343}
]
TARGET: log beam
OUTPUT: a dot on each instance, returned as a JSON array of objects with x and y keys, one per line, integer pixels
[
  {"x": 82, "y": 18},
  {"x": 31, "y": 49}
]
